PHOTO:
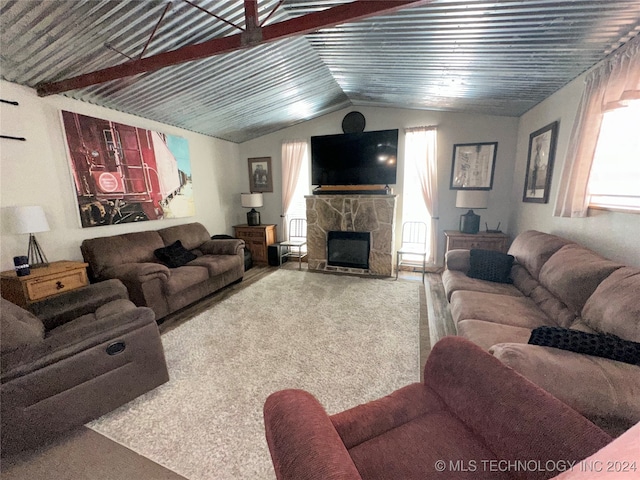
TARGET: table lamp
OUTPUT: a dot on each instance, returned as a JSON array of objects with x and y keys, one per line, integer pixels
[
  {"x": 470, "y": 222},
  {"x": 252, "y": 200},
  {"x": 31, "y": 220}
]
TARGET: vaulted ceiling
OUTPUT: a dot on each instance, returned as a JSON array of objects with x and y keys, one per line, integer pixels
[{"x": 499, "y": 58}]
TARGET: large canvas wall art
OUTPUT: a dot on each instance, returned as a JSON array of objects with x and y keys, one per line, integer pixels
[{"x": 126, "y": 174}]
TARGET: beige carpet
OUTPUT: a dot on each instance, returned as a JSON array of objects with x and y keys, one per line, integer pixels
[{"x": 346, "y": 339}]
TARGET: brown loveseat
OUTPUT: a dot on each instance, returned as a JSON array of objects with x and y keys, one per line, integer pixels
[
  {"x": 472, "y": 418},
  {"x": 88, "y": 352},
  {"x": 558, "y": 283},
  {"x": 130, "y": 258}
]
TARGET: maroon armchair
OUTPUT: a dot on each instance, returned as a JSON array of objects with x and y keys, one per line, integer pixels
[{"x": 473, "y": 417}]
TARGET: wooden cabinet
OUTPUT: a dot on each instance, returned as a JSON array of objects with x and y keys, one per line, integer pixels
[
  {"x": 257, "y": 240},
  {"x": 43, "y": 282},
  {"x": 486, "y": 241}
]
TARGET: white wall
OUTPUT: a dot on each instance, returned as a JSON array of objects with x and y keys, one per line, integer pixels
[
  {"x": 612, "y": 234},
  {"x": 453, "y": 128},
  {"x": 36, "y": 172}
]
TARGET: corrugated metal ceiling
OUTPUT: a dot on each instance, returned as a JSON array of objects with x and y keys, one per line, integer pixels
[{"x": 498, "y": 58}]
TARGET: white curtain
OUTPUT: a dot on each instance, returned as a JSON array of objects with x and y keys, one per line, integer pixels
[
  {"x": 293, "y": 152},
  {"x": 420, "y": 151},
  {"x": 615, "y": 81}
]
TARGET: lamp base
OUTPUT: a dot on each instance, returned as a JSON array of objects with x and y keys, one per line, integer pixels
[
  {"x": 253, "y": 218},
  {"x": 36, "y": 256},
  {"x": 470, "y": 222}
]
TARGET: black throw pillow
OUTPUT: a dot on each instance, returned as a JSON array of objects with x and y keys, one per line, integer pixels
[
  {"x": 174, "y": 255},
  {"x": 605, "y": 345},
  {"x": 490, "y": 265}
]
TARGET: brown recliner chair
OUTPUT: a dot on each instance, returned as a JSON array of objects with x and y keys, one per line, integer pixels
[
  {"x": 472, "y": 418},
  {"x": 86, "y": 353}
]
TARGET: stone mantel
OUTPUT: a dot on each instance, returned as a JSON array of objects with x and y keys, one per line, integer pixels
[{"x": 352, "y": 213}]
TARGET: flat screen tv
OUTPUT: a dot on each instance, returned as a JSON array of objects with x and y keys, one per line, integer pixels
[{"x": 365, "y": 158}]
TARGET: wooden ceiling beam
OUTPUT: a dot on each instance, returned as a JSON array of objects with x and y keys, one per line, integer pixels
[{"x": 254, "y": 35}]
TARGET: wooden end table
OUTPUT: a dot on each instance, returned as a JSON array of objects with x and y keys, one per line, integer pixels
[
  {"x": 43, "y": 282},
  {"x": 257, "y": 240},
  {"x": 486, "y": 241}
]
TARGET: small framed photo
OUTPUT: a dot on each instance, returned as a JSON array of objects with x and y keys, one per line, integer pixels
[
  {"x": 473, "y": 165},
  {"x": 542, "y": 151},
  {"x": 260, "y": 175}
]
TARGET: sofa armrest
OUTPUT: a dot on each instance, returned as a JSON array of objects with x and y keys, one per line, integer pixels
[
  {"x": 302, "y": 441},
  {"x": 458, "y": 260},
  {"x": 495, "y": 402},
  {"x": 231, "y": 246},
  {"x": 75, "y": 336},
  {"x": 137, "y": 272},
  {"x": 60, "y": 309}
]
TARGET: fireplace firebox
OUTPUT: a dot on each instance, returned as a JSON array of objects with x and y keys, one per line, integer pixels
[{"x": 348, "y": 249}]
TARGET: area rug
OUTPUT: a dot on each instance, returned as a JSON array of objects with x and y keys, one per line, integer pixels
[{"x": 347, "y": 340}]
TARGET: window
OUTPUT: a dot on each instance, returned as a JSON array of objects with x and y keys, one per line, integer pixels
[{"x": 614, "y": 180}]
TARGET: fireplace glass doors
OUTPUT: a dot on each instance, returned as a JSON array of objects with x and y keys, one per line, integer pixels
[{"x": 348, "y": 249}]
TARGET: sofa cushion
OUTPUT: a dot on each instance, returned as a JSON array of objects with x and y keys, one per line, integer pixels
[
  {"x": 192, "y": 235},
  {"x": 573, "y": 273},
  {"x": 594, "y": 386},
  {"x": 105, "y": 252},
  {"x": 502, "y": 309},
  {"x": 185, "y": 277},
  {"x": 487, "y": 334},
  {"x": 600, "y": 345},
  {"x": 218, "y": 264},
  {"x": 532, "y": 249},
  {"x": 614, "y": 307},
  {"x": 400, "y": 453},
  {"x": 18, "y": 327},
  {"x": 490, "y": 265},
  {"x": 523, "y": 280},
  {"x": 453, "y": 281},
  {"x": 174, "y": 255},
  {"x": 553, "y": 308}
]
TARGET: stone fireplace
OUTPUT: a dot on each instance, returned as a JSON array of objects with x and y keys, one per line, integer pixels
[{"x": 373, "y": 214}]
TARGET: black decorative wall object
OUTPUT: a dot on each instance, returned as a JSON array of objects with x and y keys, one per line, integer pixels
[{"x": 353, "y": 122}]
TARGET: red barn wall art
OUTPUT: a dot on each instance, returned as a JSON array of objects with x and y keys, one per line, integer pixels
[{"x": 126, "y": 174}]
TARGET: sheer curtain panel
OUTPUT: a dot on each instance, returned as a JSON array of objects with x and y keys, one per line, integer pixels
[
  {"x": 614, "y": 82},
  {"x": 293, "y": 154},
  {"x": 421, "y": 148}
]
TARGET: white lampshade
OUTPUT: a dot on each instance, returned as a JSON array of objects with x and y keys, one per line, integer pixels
[
  {"x": 251, "y": 200},
  {"x": 472, "y": 198},
  {"x": 29, "y": 219}
]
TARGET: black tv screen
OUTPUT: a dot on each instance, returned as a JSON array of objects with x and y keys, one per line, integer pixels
[{"x": 365, "y": 158}]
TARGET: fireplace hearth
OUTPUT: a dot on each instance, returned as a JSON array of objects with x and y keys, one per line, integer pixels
[{"x": 348, "y": 249}]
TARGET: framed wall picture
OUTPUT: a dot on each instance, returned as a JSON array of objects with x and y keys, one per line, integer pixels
[
  {"x": 473, "y": 165},
  {"x": 260, "y": 175},
  {"x": 542, "y": 150}
]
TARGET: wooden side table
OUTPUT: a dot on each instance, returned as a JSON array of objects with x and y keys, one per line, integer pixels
[
  {"x": 43, "y": 282},
  {"x": 257, "y": 240},
  {"x": 487, "y": 241}
]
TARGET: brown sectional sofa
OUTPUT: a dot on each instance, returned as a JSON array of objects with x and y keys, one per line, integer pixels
[
  {"x": 558, "y": 283},
  {"x": 130, "y": 258}
]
